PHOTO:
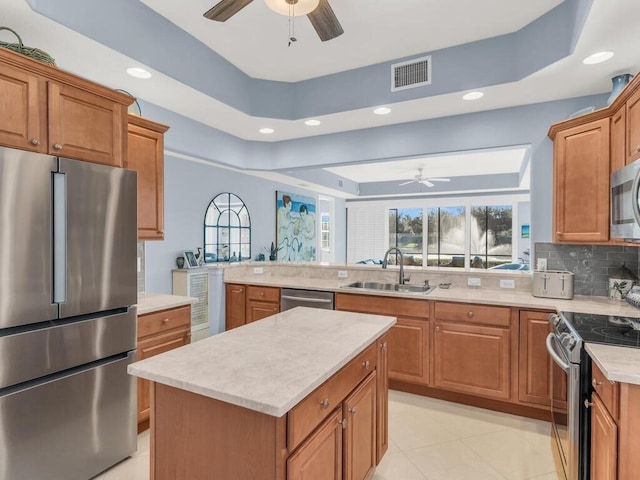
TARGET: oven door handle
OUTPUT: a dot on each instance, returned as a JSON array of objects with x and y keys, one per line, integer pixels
[{"x": 554, "y": 355}]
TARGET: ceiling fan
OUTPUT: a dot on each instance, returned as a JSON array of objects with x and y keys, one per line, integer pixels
[
  {"x": 419, "y": 178},
  {"x": 322, "y": 18}
]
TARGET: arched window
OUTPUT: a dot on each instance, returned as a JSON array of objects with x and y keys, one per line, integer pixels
[{"x": 227, "y": 230}]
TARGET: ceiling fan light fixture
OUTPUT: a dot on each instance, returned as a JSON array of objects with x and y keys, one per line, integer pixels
[{"x": 300, "y": 7}]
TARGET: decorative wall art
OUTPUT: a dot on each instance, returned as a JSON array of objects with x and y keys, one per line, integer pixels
[{"x": 295, "y": 227}]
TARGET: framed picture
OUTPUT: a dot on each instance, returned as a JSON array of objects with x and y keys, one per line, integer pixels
[
  {"x": 524, "y": 231},
  {"x": 190, "y": 259},
  {"x": 295, "y": 228}
]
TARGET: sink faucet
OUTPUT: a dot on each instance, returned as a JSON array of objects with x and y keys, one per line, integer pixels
[{"x": 385, "y": 261}]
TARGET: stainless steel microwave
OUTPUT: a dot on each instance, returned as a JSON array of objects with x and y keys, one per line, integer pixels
[{"x": 625, "y": 202}]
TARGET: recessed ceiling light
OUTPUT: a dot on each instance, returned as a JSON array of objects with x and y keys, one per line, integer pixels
[
  {"x": 382, "y": 111},
  {"x": 312, "y": 123},
  {"x": 266, "y": 130},
  {"x": 598, "y": 57},
  {"x": 473, "y": 96},
  {"x": 138, "y": 72}
]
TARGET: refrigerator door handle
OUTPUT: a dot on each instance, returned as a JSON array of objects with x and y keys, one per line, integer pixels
[{"x": 59, "y": 238}]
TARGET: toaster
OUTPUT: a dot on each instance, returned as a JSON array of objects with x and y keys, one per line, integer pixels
[{"x": 552, "y": 284}]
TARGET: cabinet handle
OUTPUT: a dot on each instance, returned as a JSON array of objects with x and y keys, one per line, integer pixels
[
  {"x": 57, "y": 146},
  {"x": 165, "y": 321},
  {"x": 343, "y": 422},
  {"x": 587, "y": 403},
  {"x": 262, "y": 294},
  {"x": 366, "y": 364},
  {"x": 324, "y": 403},
  {"x": 595, "y": 383},
  {"x": 470, "y": 314},
  {"x": 437, "y": 329},
  {"x": 383, "y": 345},
  {"x": 352, "y": 410},
  {"x": 34, "y": 141}
]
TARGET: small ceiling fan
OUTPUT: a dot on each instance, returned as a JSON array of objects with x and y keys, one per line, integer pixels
[
  {"x": 322, "y": 18},
  {"x": 419, "y": 178}
]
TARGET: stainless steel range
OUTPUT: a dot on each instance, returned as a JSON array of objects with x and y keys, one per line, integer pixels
[{"x": 566, "y": 346}]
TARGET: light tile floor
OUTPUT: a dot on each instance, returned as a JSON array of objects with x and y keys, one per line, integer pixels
[{"x": 431, "y": 439}]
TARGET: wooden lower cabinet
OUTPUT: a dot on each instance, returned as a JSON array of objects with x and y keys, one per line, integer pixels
[
  {"x": 604, "y": 442},
  {"x": 359, "y": 410},
  {"x": 382, "y": 443},
  {"x": 235, "y": 300},
  {"x": 259, "y": 310},
  {"x": 535, "y": 364},
  {"x": 472, "y": 359},
  {"x": 159, "y": 332},
  {"x": 408, "y": 339},
  {"x": 320, "y": 458}
]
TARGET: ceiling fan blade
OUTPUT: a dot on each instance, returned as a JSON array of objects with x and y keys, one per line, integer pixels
[
  {"x": 407, "y": 183},
  {"x": 225, "y": 9},
  {"x": 325, "y": 21},
  {"x": 439, "y": 179},
  {"x": 427, "y": 183}
]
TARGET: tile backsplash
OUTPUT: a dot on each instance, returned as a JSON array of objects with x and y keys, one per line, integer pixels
[
  {"x": 140, "y": 266},
  {"x": 591, "y": 264}
]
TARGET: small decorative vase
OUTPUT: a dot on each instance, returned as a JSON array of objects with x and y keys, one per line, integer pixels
[
  {"x": 272, "y": 257},
  {"x": 180, "y": 262},
  {"x": 619, "y": 82}
]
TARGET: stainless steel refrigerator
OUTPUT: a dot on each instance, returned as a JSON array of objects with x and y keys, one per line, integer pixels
[{"x": 68, "y": 286}]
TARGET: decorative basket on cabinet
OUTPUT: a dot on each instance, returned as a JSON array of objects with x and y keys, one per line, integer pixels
[{"x": 30, "y": 52}]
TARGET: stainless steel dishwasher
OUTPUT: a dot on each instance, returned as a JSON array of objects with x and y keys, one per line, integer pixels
[{"x": 293, "y": 297}]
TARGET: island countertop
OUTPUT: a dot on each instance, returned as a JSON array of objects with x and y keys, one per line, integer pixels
[{"x": 271, "y": 365}]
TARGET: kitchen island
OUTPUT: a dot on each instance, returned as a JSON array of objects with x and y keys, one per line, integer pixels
[{"x": 300, "y": 394}]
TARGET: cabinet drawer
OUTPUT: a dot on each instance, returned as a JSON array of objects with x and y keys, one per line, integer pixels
[
  {"x": 265, "y": 294},
  {"x": 470, "y": 313},
  {"x": 163, "y": 321},
  {"x": 307, "y": 415},
  {"x": 606, "y": 389}
]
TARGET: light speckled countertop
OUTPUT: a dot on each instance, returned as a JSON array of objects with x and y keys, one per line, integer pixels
[
  {"x": 619, "y": 364},
  {"x": 154, "y": 302},
  {"x": 271, "y": 365}
]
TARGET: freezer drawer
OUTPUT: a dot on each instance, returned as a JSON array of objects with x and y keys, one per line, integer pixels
[
  {"x": 70, "y": 428},
  {"x": 56, "y": 346}
]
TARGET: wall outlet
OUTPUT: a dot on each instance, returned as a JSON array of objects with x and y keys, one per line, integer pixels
[
  {"x": 507, "y": 283},
  {"x": 474, "y": 282},
  {"x": 258, "y": 270},
  {"x": 342, "y": 274},
  {"x": 541, "y": 264}
]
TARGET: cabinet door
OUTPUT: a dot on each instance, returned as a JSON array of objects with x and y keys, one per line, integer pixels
[
  {"x": 258, "y": 310},
  {"x": 21, "y": 122},
  {"x": 360, "y": 433},
  {"x": 320, "y": 457},
  {"x": 581, "y": 183},
  {"x": 604, "y": 442},
  {"x": 149, "y": 347},
  {"x": 145, "y": 155},
  {"x": 235, "y": 315},
  {"x": 534, "y": 362},
  {"x": 85, "y": 126},
  {"x": 408, "y": 356},
  {"x": 633, "y": 127},
  {"x": 382, "y": 425},
  {"x": 472, "y": 359},
  {"x": 618, "y": 139}
]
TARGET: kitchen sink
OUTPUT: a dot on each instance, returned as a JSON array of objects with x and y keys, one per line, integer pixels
[{"x": 391, "y": 287}]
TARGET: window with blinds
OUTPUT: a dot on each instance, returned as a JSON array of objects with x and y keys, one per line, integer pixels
[{"x": 366, "y": 232}]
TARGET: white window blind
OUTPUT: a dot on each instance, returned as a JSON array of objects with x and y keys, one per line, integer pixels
[{"x": 366, "y": 232}]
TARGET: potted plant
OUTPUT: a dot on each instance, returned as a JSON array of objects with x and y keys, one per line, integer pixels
[{"x": 273, "y": 252}]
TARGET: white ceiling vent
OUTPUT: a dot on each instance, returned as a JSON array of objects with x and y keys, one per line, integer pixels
[{"x": 411, "y": 74}]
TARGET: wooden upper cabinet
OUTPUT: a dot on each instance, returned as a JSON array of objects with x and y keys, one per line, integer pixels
[
  {"x": 51, "y": 111},
  {"x": 581, "y": 183},
  {"x": 22, "y": 123},
  {"x": 618, "y": 139},
  {"x": 633, "y": 127},
  {"x": 85, "y": 126},
  {"x": 145, "y": 155}
]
